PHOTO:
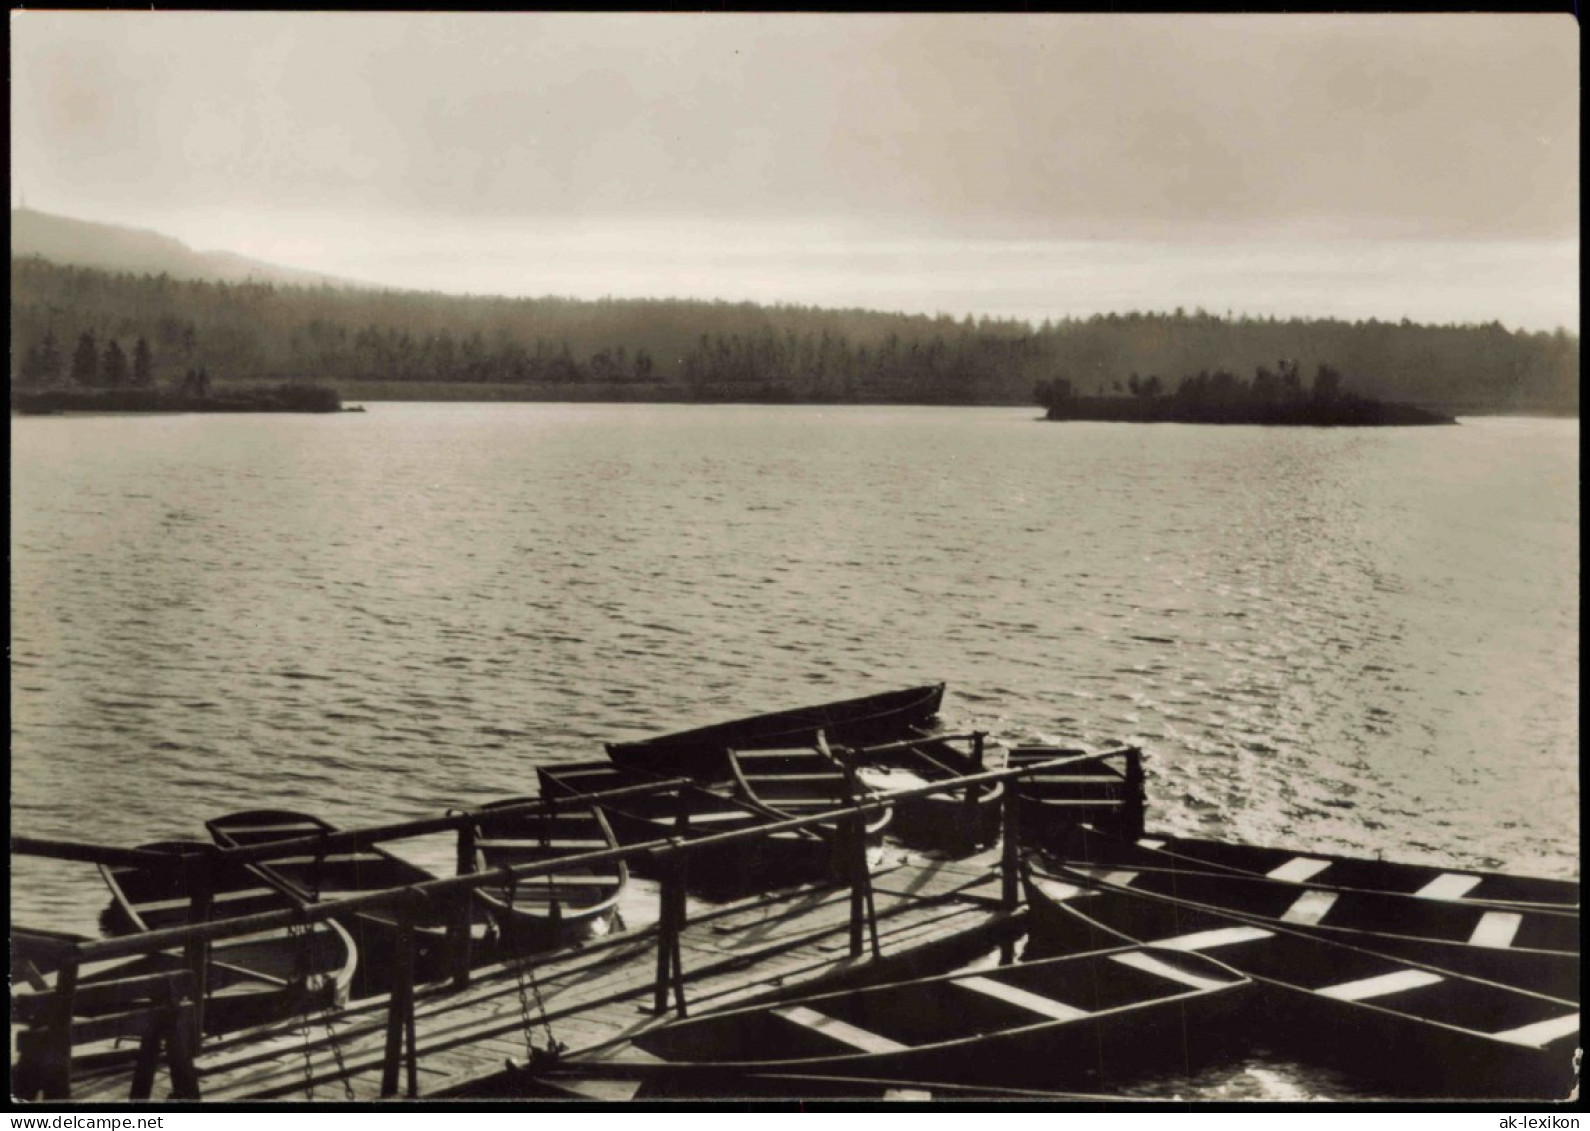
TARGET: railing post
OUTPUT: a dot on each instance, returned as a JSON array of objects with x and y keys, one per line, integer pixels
[
  {"x": 462, "y": 937},
  {"x": 862, "y": 907},
  {"x": 681, "y": 884},
  {"x": 55, "y": 1067},
  {"x": 1132, "y": 818},
  {"x": 198, "y": 872},
  {"x": 181, "y": 1042},
  {"x": 1010, "y": 861},
  {"x": 670, "y": 925},
  {"x": 969, "y": 820},
  {"x": 400, "y": 1006}
]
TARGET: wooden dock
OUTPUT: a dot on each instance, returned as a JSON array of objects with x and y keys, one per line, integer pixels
[{"x": 928, "y": 913}]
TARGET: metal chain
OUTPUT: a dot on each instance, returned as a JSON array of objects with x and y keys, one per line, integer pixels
[
  {"x": 336, "y": 1052},
  {"x": 298, "y": 933},
  {"x": 553, "y": 1047},
  {"x": 304, "y": 933}
]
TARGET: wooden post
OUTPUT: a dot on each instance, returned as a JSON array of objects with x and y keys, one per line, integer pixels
[
  {"x": 181, "y": 1042},
  {"x": 667, "y": 936},
  {"x": 1010, "y": 862},
  {"x": 199, "y": 873},
  {"x": 969, "y": 820},
  {"x": 680, "y": 887},
  {"x": 400, "y": 1005},
  {"x": 670, "y": 925},
  {"x": 55, "y": 1069},
  {"x": 1132, "y": 818},
  {"x": 862, "y": 908},
  {"x": 459, "y": 926}
]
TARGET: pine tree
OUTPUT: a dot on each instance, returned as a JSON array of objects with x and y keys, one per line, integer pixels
[
  {"x": 113, "y": 371},
  {"x": 85, "y": 360},
  {"x": 143, "y": 366}
]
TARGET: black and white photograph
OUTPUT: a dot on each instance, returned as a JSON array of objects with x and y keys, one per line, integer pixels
[{"x": 794, "y": 560}]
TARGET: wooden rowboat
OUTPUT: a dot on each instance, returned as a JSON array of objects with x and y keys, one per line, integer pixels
[
  {"x": 1422, "y": 880},
  {"x": 310, "y": 877},
  {"x": 550, "y": 910},
  {"x": 1534, "y": 950},
  {"x": 790, "y": 857},
  {"x": 698, "y": 752},
  {"x": 1437, "y": 1033},
  {"x": 251, "y": 979},
  {"x": 957, "y": 821},
  {"x": 1078, "y": 1020},
  {"x": 1106, "y": 791},
  {"x": 804, "y": 781}
]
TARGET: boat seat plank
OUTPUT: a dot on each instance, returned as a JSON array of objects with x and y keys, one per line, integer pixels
[
  {"x": 1496, "y": 929},
  {"x": 1541, "y": 1033},
  {"x": 219, "y": 897},
  {"x": 1448, "y": 885},
  {"x": 1209, "y": 940},
  {"x": 1079, "y": 779},
  {"x": 1381, "y": 985},
  {"x": 1025, "y": 999},
  {"x": 1151, "y": 965},
  {"x": 842, "y": 1031},
  {"x": 1298, "y": 870},
  {"x": 1310, "y": 907}
]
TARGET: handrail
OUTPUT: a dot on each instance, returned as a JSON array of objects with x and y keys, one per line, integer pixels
[
  {"x": 319, "y": 842},
  {"x": 97, "y": 949}
]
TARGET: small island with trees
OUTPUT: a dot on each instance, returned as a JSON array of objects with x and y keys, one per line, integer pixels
[
  {"x": 1272, "y": 397},
  {"x": 106, "y": 381}
]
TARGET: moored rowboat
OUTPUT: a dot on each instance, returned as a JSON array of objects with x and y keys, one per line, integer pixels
[
  {"x": 311, "y": 877},
  {"x": 1438, "y": 1033},
  {"x": 957, "y": 820},
  {"x": 251, "y": 979},
  {"x": 1082, "y": 1019},
  {"x": 788, "y": 857},
  {"x": 545, "y": 911},
  {"x": 1534, "y": 950},
  {"x": 1106, "y": 790},
  {"x": 1423, "y": 880},
  {"x": 802, "y": 782},
  {"x": 698, "y": 752}
]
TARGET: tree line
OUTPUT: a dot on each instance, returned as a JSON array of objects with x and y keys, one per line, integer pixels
[{"x": 742, "y": 351}]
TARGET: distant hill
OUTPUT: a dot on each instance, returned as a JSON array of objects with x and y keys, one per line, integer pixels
[{"x": 111, "y": 247}]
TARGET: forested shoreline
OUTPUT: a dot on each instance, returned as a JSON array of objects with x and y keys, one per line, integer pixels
[{"x": 165, "y": 331}]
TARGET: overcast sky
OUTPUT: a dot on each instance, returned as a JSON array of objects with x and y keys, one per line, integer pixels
[{"x": 1031, "y": 166}]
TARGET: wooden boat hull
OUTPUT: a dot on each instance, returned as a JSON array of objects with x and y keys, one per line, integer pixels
[
  {"x": 1459, "y": 885},
  {"x": 1534, "y": 950},
  {"x": 546, "y": 912},
  {"x": 699, "y": 752},
  {"x": 1087, "y": 1020},
  {"x": 1054, "y": 802},
  {"x": 250, "y": 980},
  {"x": 313, "y": 877},
  {"x": 1435, "y": 1033},
  {"x": 780, "y": 860},
  {"x": 958, "y": 822},
  {"x": 800, "y": 782}
]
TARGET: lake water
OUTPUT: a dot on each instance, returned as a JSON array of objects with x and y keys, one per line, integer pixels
[{"x": 1353, "y": 640}]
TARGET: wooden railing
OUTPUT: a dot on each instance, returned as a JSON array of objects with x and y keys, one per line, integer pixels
[{"x": 48, "y": 1049}]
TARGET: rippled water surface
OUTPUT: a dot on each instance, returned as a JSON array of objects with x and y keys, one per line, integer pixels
[{"x": 1359, "y": 640}]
